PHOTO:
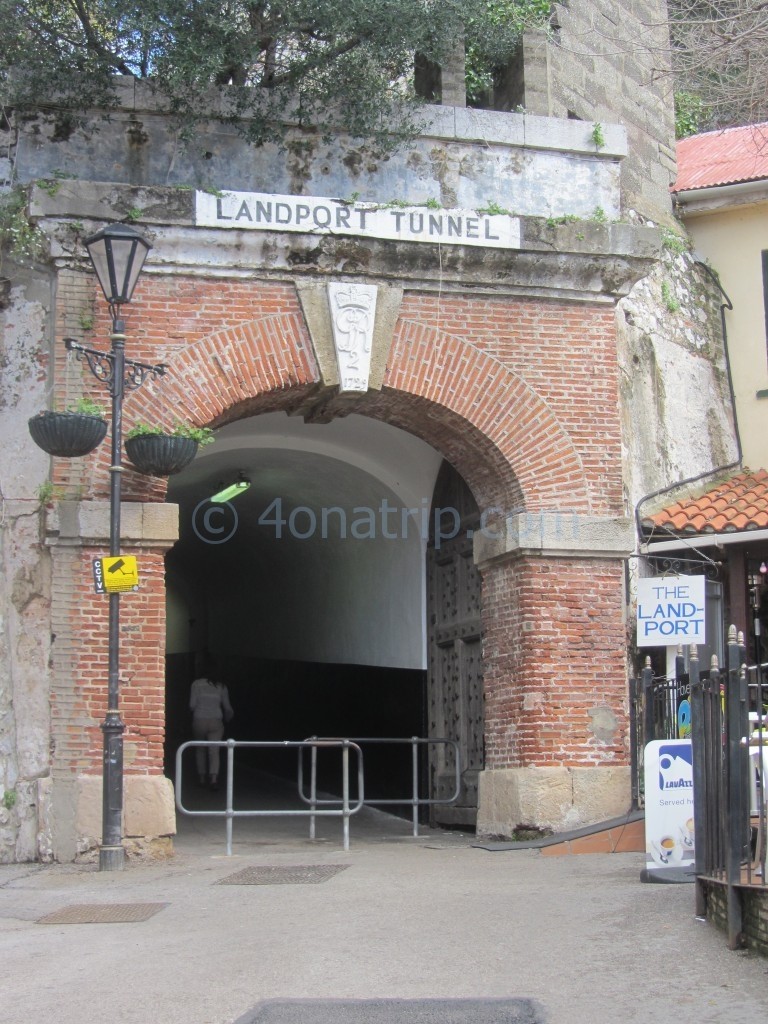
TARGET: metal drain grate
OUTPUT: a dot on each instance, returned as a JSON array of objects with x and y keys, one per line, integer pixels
[
  {"x": 396, "y": 1011},
  {"x": 102, "y": 913},
  {"x": 290, "y": 874}
]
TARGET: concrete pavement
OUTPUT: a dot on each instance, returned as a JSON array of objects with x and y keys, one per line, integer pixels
[{"x": 406, "y": 918}]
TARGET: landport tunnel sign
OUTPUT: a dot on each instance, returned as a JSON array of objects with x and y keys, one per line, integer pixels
[
  {"x": 259, "y": 211},
  {"x": 670, "y": 610}
]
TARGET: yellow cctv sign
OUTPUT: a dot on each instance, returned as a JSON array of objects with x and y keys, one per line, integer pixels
[{"x": 115, "y": 574}]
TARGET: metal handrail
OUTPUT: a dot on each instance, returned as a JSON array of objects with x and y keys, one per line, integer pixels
[
  {"x": 345, "y": 812},
  {"x": 414, "y": 801}
]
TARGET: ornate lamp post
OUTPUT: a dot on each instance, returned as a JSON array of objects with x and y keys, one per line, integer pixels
[{"x": 117, "y": 253}]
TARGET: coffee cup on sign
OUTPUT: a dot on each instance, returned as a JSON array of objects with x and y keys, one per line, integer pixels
[{"x": 667, "y": 849}]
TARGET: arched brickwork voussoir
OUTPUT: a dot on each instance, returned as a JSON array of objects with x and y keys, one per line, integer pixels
[
  {"x": 500, "y": 405},
  {"x": 263, "y": 361}
]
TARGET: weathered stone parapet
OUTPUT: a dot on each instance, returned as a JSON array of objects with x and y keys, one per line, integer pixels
[
  {"x": 580, "y": 260},
  {"x": 550, "y": 798},
  {"x": 532, "y": 166},
  {"x": 555, "y": 534}
]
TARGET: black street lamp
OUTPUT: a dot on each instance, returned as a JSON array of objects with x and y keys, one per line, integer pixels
[{"x": 117, "y": 253}]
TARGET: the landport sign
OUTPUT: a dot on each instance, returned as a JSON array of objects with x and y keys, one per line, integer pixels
[
  {"x": 311, "y": 215},
  {"x": 670, "y": 611}
]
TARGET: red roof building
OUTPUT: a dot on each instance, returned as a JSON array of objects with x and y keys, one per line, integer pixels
[
  {"x": 739, "y": 503},
  {"x": 725, "y": 157}
]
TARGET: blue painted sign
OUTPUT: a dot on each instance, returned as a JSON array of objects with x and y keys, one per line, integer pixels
[{"x": 670, "y": 611}]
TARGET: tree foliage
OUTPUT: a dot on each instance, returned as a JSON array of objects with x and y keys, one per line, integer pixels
[
  {"x": 296, "y": 59},
  {"x": 720, "y": 61}
]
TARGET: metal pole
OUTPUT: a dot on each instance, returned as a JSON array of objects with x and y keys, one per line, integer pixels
[
  {"x": 230, "y": 790},
  {"x": 415, "y": 776},
  {"x": 313, "y": 789},
  {"x": 112, "y": 852},
  {"x": 699, "y": 780},
  {"x": 649, "y": 731},
  {"x": 735, "y": 835},
  {"x": 634, "y": 692},
  {"x": 345, "y": 790}
]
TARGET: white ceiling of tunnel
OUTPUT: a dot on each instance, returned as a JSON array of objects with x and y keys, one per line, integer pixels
[
  {"x": 352, "y": 461},
  {"x": 326, "y": 592}
]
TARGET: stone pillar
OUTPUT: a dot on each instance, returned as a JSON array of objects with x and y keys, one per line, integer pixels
[
  {"x": 523, "y": 84},
  {"x": 446, "y": 83},
  {"x": 453, "y": 85},
  {"x": 71, "y": 798},
  {"x": 557, "y": 742}
]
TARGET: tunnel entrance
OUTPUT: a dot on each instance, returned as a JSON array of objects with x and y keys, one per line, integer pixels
[{"x": 310, "y": 590}]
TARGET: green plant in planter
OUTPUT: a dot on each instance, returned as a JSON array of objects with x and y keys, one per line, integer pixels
[
  {"x": 203, "y": 435},
  {"x": 87, "y": 407},
  {"x": 156, "y": 451},
  {"x": 70, "y": 433}
]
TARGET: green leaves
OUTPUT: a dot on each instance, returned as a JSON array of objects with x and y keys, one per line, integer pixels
[
  {"x": 295, "y": 59},
  {"x": 689, "y": 114}
]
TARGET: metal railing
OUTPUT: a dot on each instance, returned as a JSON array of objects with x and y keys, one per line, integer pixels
[
  {"x": 727, "y": 721},
  {"x": 659, "y": 709},
  {"x": 730, "y": 775},
  {"x": 345, "y": 811},
  {"x": 414, "y": 801}
]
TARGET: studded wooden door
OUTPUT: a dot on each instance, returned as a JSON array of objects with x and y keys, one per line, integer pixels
[{"x": 455, "y": 667}]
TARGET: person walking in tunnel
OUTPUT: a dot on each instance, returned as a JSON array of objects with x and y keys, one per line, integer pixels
[{"x": 211, "y": 709}]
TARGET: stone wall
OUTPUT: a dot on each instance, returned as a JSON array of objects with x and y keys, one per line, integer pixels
[
  {"x": 602, "y": 62},
  {"x": 670, "y": 350},
  {"x": 25, "y": 633},
  {"x": 525, "y": 164}
]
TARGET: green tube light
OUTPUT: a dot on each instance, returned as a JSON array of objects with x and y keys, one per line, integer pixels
[{"x": 227, "y": 493}]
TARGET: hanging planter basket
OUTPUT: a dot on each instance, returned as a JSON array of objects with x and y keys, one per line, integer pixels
[
  {"x": 160, "y": 454},
  {"x": 67, "y": 434}
]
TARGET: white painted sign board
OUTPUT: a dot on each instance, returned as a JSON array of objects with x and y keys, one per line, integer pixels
[
  {"x": 670, "y": 610},
  {"x": 259, "y": 211}
]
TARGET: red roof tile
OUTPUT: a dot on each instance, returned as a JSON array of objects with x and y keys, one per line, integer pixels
[
  {"x": 740, "y": 503},
  {"x": 723, "y": 157}
]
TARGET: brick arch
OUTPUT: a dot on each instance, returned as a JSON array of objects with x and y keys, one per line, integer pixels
[
  {"x": 492, "y": 426},
  {"x": 516, "y": 422},
  {"x": 252, "y": 367}
]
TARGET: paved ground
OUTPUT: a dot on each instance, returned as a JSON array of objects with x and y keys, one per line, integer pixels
[{"x": 406, "y": 919}]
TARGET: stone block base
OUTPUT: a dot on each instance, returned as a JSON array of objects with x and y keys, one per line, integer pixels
[
  {"x": 71, "y": 817},
  {"x": 552, "y": 799}
]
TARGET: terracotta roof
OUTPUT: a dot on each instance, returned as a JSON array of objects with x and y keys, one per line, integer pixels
[
  {"x": 740, "y": 503},
  {"x": 723, "y": 157}
]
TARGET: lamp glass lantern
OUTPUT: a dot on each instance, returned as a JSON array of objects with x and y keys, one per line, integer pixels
[{"x": 117, "y": 253}]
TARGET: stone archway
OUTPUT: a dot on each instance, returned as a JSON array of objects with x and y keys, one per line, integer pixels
[{"x": 551, "y": 566}]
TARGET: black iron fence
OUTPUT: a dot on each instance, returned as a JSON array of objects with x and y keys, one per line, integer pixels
[
  {"x": 725, "y": 713},
  {"x": 659, "y": 710}
]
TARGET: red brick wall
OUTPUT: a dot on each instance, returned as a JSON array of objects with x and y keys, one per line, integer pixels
[
  {"x": 520, "y": 395},
  {"x": 553, "y": 651},
  {"x": 547, "y": 391},
  {"x": 79, "y": 690}
]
